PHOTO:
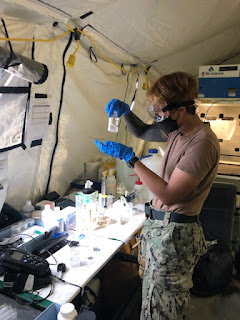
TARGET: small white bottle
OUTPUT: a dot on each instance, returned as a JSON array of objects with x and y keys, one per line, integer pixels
[
  {"x": 67, "y": 312},
  {"x": 138, "y": 190},
  {"x": 48, "y": 217},
  {"x": 113, "y": 122},
  {"x": 28, "y": 209},
  {"x": 59, "y": 220},
  {"x": 111, "y": 184},
  {"x": 57, "y": 210}
]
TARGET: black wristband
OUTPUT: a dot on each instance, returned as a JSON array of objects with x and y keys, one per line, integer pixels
[{"x": 132, "y": 162}]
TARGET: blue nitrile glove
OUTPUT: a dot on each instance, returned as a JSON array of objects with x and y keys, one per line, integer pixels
[
  {"x": 115, "y": 150},
  {"x": 116, "y": 105}
]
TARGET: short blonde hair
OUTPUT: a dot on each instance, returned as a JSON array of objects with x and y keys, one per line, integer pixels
[{"x": 174, "y": 87}]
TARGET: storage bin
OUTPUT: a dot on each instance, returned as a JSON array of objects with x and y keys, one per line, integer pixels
[{"x": 50, "y": 313}]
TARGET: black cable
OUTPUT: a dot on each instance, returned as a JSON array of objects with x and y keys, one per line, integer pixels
[
  {"x": 28, "y": 101},
  {"x": 43, "y": 299},
  {"x": 116, "y": 45},
  {"x": 196, "y": 75},
  {"x": 92, "y": 55},
  {"x": 73, "y": 284},
  {"x": 46, "y": 3},
  {"x": 228, "y": 58},
  {"x": 10, "y": 46},
  {"x": 59, "y": 111},
  {"x": 134, "y": 95},
  {"x": 92, "y": 294},
  {"x": 35, "y": 300},
  {"x": 125, "y": 97},
  {"x": 123, "y": 72},
  {"x": 156, "y": 69},
  {"x": 135, "y": 92},
  {"x": 7, "y": 36},
  {"x": 25, "y": 234}
]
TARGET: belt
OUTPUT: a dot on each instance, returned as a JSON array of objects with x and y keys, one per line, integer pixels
[{"x": 174, "y": 217}]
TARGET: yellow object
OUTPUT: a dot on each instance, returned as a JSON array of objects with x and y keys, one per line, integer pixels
[
  {"x": 72, "y": 57},
  {"x": 109, "y": 60},
  {"x": 144, "y": 85},
  {"x": 71, "y": 61},
  {"x": 109, "y": 164}
]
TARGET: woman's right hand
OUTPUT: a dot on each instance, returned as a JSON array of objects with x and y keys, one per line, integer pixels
[{"x": 116, "y": 105}]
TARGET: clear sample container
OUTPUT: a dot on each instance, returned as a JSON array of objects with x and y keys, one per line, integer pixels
[
  {"x": 113, "y": 122},
  {"x": 75, "y": 257}
]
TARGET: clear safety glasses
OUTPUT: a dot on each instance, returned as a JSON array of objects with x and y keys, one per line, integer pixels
[{"x": 157, "y": 113}]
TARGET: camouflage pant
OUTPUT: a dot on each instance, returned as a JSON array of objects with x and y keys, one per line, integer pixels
[{"x": 169, "y": 251}]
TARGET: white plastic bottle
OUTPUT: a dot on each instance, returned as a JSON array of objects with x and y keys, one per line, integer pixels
[
  {"x": 138, "y": 190},
  {"x": 125, "y": 175},
  {"x": 152, "y": 161},
  {"x": 28, "y": 209},
  {"x": 48, "y": 217},
  {"x": 57, "y": 210},
  {"x": 67, "y": 312},
  {"x": 59, "y": 220},
  {"x": 111, "y": 183}
]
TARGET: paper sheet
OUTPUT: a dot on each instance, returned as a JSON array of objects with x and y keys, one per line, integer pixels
[{"x": 38, "y": 121}]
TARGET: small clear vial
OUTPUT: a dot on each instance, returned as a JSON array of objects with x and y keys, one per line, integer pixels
[
  {"x": 103, "y": 184},
  {"x": 75, "y": 257},
  {"x": 113, "y": 122}
]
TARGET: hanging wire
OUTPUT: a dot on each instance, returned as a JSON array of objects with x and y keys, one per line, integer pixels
[{"x": 92, "y": 42}]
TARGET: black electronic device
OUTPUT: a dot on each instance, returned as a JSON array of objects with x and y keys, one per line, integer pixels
[
  {"x": 51, "y": 246},
  {"x": 52, "y": 196},
  {"x": 16, "y": 260},
  {"x": 63, "y": 203}
]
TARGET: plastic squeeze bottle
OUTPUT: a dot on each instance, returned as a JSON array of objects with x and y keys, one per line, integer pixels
[
  {"x": 48, "y": 217},
  {"x": 28, "y": 209},
  {"x": 138, "y": 190}
]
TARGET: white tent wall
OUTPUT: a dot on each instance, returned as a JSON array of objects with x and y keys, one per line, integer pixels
[
  {"x": 28, "y": 11},
  {"x": 213, "y": 50},
  {"x": 180, "y": 35},
  {"x": 88, "y": 88}
]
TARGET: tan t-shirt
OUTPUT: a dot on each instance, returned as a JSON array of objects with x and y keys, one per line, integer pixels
[{"x": 196, "y": 154}]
